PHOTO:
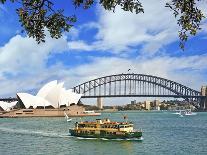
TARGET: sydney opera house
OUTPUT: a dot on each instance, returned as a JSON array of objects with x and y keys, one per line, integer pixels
[
  {"x": 51, "y": 100},
  {"x": 53, "y": 94}
]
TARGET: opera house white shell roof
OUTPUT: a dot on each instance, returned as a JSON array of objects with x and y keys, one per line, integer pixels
[
  {"x": 51, "y": 94},
  {"x": 7, "y": 106}
]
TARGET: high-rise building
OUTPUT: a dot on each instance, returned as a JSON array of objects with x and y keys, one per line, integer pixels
[
  {"x": 156, "y": 105},
  {"x": 204, "y": 90},
  {"x": 147, "y": 105}
]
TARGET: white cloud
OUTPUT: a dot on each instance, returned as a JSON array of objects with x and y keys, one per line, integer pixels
[
  {"x": 187, "y": 70},
  {"x": 79, "y": 45},
  {"x": 119, "y": 31},
  {"x": 123, "y": 31},
  {"x": 23, "y": 54},
  {"x": 23, "y": 61},
  {"x": 163, "y": 66},
  {"x": 73, "y": 33}
]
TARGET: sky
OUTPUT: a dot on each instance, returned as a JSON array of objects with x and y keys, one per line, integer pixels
[{"x": 101, "y": 43}]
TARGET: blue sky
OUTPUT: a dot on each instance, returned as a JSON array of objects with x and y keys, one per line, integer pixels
[{"x": 100, "y": 43}]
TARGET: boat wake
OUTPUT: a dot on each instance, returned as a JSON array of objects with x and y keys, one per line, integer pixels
[
  {"x": 33, "y": 133},
  {"x": 106, "y": 139},
  {"x": 130, "y": 139},
  {"x": 84, "y": 138}
]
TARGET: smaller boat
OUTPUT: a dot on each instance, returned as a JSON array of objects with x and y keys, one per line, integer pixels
[
  {"x": 188, "y": 112},
  {"x": 91, "y": 113},
  {"x": 106, "y": 129},
  {"x": 67, "y": 118}
]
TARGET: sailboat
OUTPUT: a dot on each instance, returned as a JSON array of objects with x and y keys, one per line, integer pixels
[
  {"x": 180, "y": 113},
  {"x": 67, "y": 118}
]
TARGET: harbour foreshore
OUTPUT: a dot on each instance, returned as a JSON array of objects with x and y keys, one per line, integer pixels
[{"x": 71, "y": 111}]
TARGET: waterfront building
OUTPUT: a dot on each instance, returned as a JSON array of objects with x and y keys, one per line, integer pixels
[
  {"x": 133, "y": 102},
  {"x": 156, "y": 105},
  {"x": 53, "y": 94},
  {"x": 5, "y": 106},
  {"x": 147, "y": 105}
]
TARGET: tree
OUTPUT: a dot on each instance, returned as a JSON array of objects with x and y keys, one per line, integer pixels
[{"x": 36, "y": 15}]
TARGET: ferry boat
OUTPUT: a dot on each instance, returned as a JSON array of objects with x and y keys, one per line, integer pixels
[{"x": 105, "y": 129}]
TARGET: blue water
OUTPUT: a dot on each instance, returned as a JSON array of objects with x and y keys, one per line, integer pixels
[{"x": 163, "y": 133}]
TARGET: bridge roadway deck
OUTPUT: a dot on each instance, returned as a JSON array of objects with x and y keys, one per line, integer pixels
[{"x": 175, "y": 96}]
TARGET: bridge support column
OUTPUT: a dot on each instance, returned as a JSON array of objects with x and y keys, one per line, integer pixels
[
  {"x": 204, "y": 99},
  {"x": 100, "y": 103},
  {"x": 203, "y": 103}
]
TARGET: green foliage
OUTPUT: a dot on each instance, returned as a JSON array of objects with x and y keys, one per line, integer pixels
[
  {"x": 126, "y": 5},
  {"x": 36, "y": 15},
  {"x": 189, "y": 18}
]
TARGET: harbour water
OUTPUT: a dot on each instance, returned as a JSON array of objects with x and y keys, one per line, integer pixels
[{"x": 163, "y": 133}]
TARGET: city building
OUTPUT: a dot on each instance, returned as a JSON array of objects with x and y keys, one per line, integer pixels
[
  {"x": 156, "y": 105},
  {"x": 133, "y": 102},
  {"x": 147, "y": 105},
  {"x": 204, "y": 90}
]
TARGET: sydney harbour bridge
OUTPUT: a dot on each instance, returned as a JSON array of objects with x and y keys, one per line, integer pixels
[{"x": 137, "y": 85}]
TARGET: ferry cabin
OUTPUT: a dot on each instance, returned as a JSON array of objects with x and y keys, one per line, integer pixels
[{"x": 106, "y": 125}]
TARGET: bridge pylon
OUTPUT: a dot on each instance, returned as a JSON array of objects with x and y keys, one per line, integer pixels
[
  {"x": 100, "y": 102},
  {"x": 204, "y": 99}
]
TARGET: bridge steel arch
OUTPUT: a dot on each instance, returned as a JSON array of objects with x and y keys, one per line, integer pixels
[{"x": 135, "y": 85}]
